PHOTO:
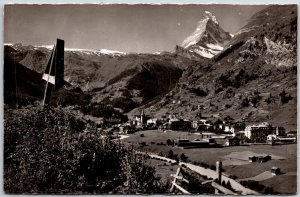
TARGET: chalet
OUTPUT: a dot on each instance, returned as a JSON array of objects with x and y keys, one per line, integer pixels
[
  {"x": 152, "y": 121},
  {"x": 201, "y": 121},
  {"x": 262, "y": 159},
  {"x": 208, "y": 135},
  {"x": 259, "y": 159},
  {"x": 229, "y": 129},
  {"x": 275, "y": 170},
  {"x": 234, "y": 127},
  {"x": 204, "y": 127}
]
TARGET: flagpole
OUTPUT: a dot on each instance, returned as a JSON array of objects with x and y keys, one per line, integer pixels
[{"x": 46, "y": 89}]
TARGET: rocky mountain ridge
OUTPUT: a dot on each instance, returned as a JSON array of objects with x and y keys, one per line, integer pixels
[
  {"x": 208, "y": 39},
  {"x": 253, "y": 79}
]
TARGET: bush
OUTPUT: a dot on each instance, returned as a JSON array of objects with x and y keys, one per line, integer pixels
[
  {"x": 171, "y": 154},
  {"x": 183, "y": 157},
  {"x": 245, "y": 102},
  {"x": 212, "y": 167},
  {"x": 284, "y": 97},
  {"x": 228, "y": 105},
  {"x": 199, "y": 91},
  {"x": 233, "y": 177},
  {"x": 169, "y": 142},
  {"x": 54, "y": 157},
  {"x": 204, "y": 165}
]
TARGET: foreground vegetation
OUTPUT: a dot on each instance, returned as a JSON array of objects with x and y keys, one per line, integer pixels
[{"x": 49, "y": 151}]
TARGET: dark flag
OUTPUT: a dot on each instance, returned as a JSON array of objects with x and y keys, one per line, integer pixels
[{"x": 54, "y": 73}]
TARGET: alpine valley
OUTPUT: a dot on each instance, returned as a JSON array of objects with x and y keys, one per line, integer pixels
[{"x": 249, "y": 76}]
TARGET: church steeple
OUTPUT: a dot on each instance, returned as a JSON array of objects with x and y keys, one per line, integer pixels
[{"x": 142, "y": 116}]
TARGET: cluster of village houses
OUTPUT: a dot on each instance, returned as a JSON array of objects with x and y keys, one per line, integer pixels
[{"x": 257, "y": 133}]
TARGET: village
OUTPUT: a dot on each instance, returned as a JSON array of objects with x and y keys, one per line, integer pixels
[
  {"x": 211, "y": 133},
  {"x": 219, "y": 152}
]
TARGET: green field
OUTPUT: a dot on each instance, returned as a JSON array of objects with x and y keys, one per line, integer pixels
[{"x": 285, "y": 183}]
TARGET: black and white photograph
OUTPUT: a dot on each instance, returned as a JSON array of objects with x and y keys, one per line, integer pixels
[{"x": 150, "y": 99}]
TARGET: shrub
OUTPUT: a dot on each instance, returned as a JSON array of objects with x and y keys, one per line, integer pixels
[
  {"x": 169, "y": 142},
  {"x": 212, "y": 167},
  {"x": 143, "y": 144},
  {"x": 183, "y": 157},
  {"x": 204, "y": 165},
  {"x": 171, "y": 154},
  {"x": 54, "y": 157},
  {"x": 228, "y": 105},
  {"x": 233, "y": 177},
  {"x": 284, "y": 97},
  {"x": 199, "y": 91},
  {"x": 245, "y": 102}
]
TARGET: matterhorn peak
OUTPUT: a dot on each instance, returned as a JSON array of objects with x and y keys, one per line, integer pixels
[
  {"x": 209, "y": 15},
  {"x": 208, "y": 39}
]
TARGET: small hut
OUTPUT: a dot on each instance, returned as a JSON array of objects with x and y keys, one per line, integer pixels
[
  {"x": 275, "y": 171},
  {"x": 252, "y": 159}
]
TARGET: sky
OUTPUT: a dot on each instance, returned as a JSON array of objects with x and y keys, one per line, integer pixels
[{"x": 127, "y": 28}]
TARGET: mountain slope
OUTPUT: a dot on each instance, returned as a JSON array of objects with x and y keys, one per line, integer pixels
[
  {"x": 86, "y": 68},
  {"x": 254, "y": 79},
  {"x": 21, "y": 85},
  {"x": 106, "y": 74}
]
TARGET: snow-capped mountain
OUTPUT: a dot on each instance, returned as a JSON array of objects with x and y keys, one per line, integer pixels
[
  {"x": 97, "y": 52},
  {"x": 75, "y": 50},
  {"x": 208, "y": 39}
]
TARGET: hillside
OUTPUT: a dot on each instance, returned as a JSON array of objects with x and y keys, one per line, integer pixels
[
  {"x": 21, "y": 85},
  {"x": 86, "y": 68},
  {"x": 109, "y": 76},
  {"x": 254, "y": 79}
]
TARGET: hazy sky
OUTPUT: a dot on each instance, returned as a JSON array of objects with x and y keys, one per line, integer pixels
[{"x": 128, "y": 28}]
